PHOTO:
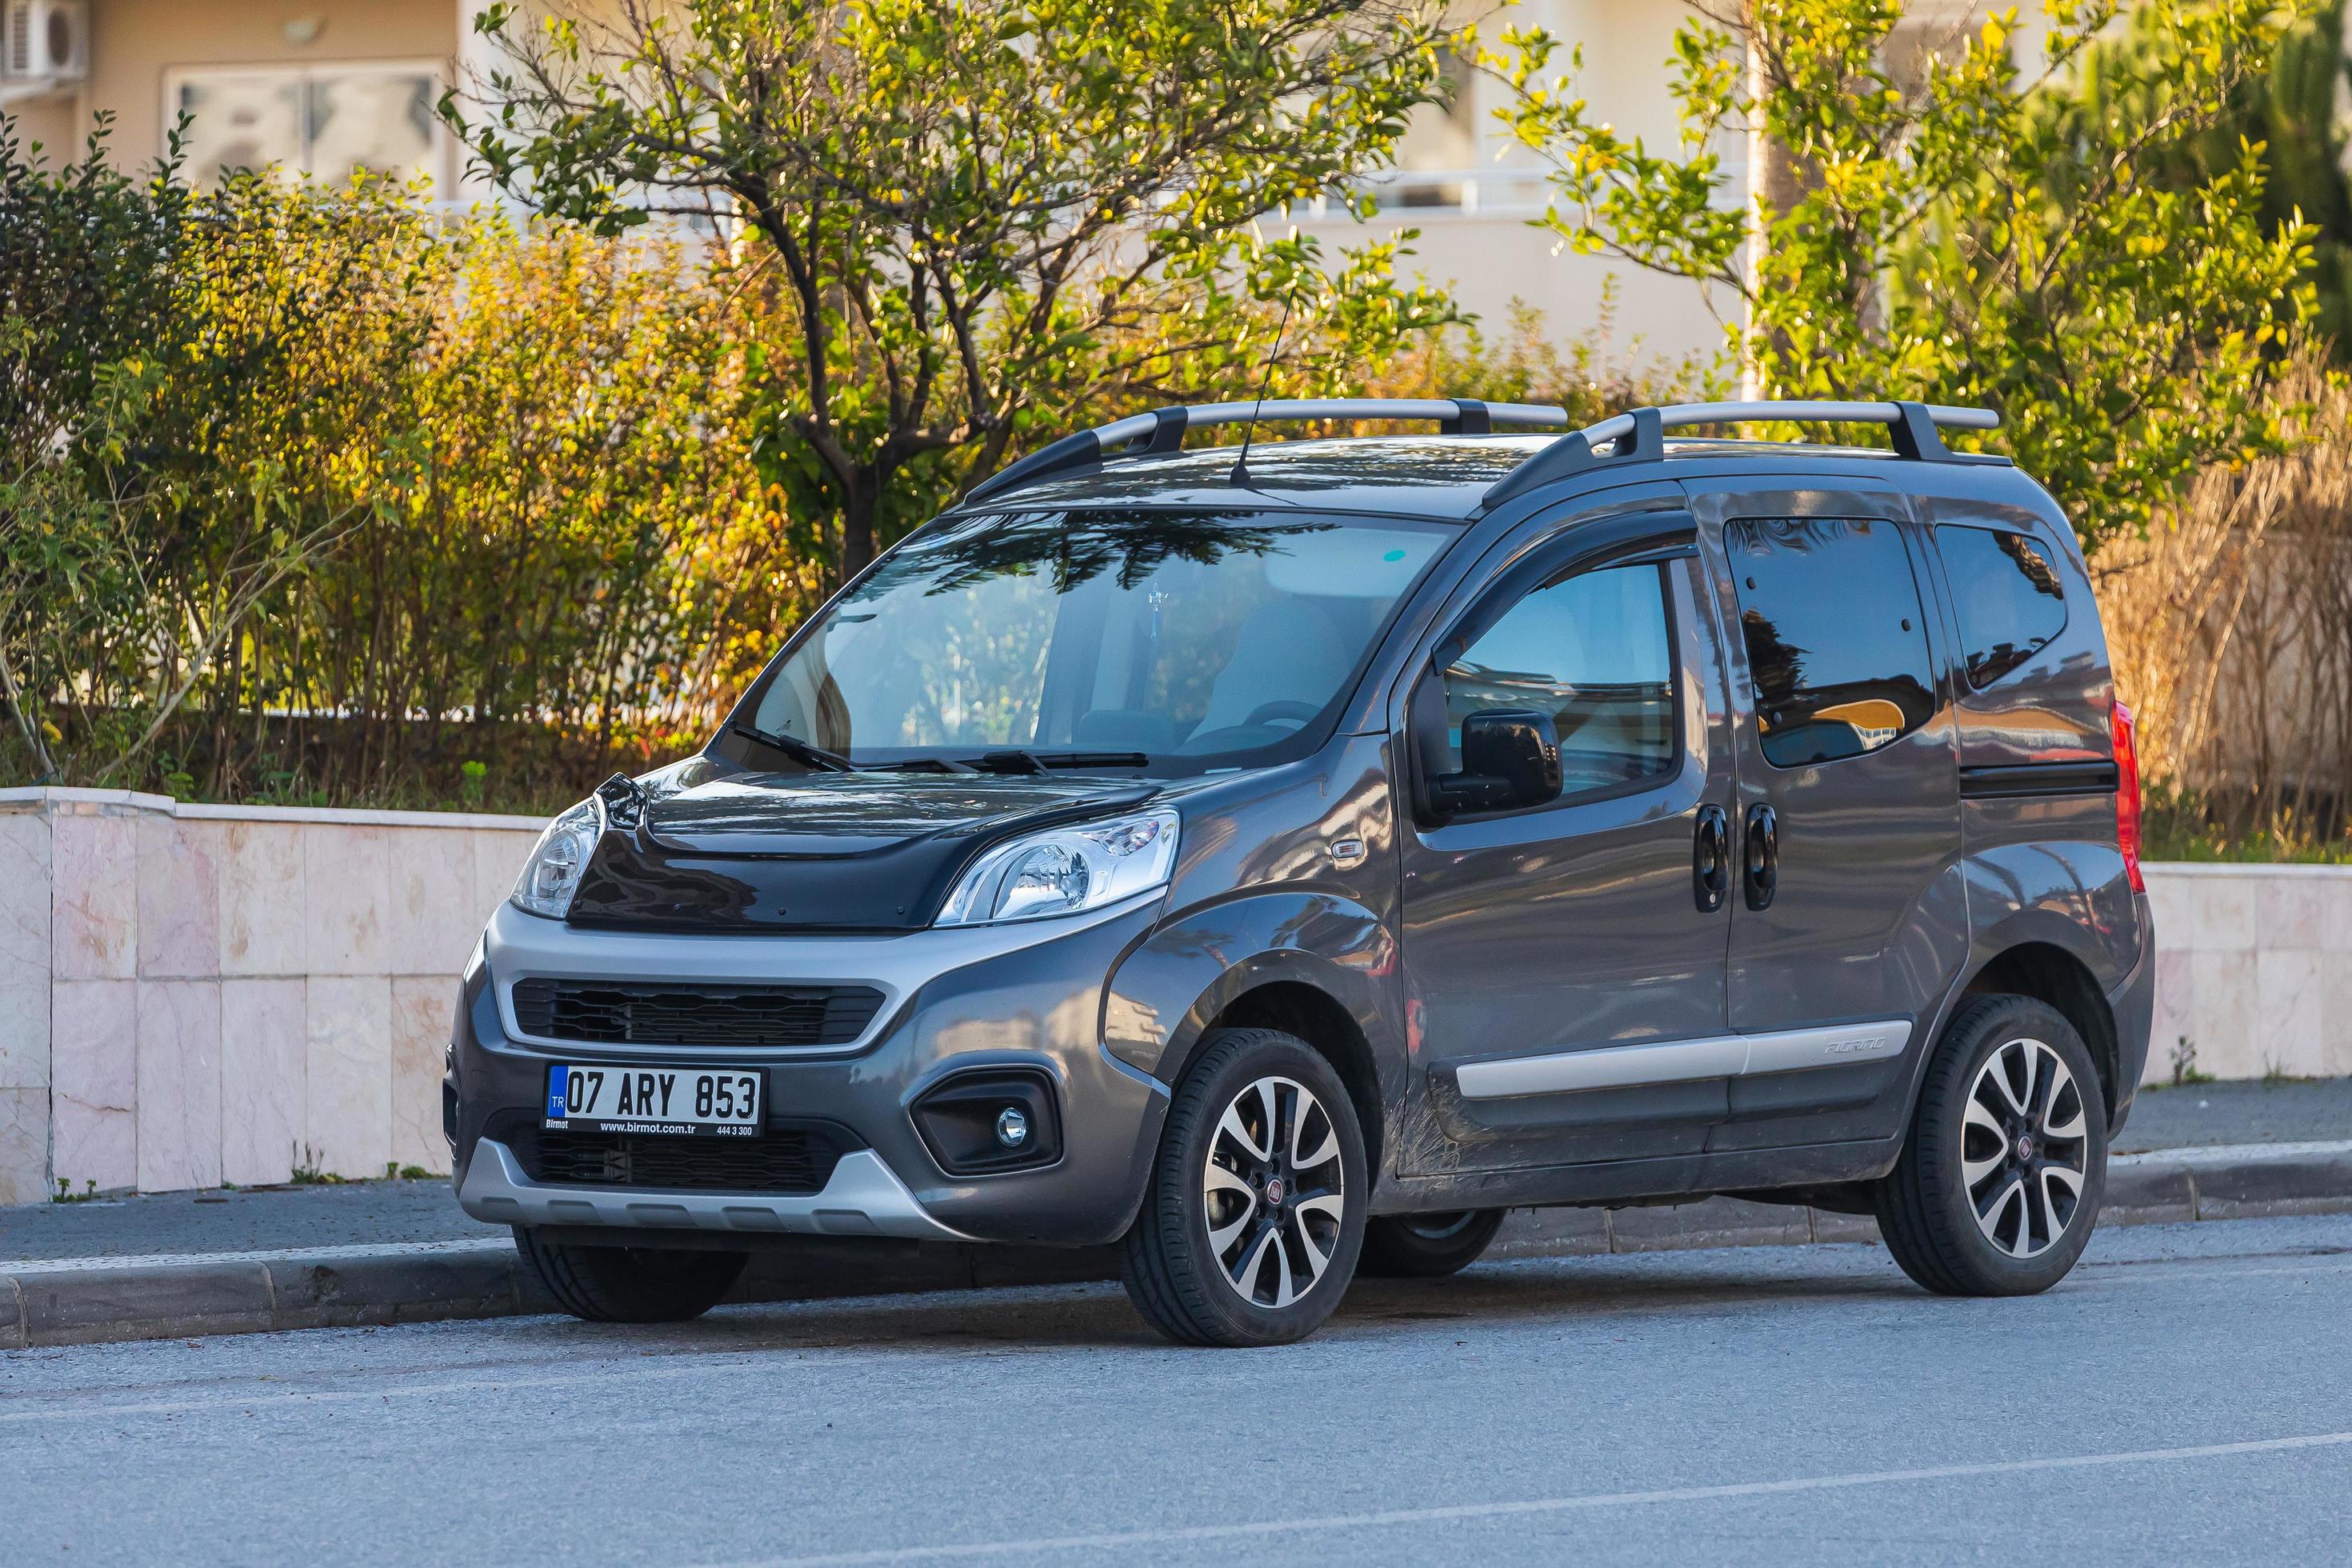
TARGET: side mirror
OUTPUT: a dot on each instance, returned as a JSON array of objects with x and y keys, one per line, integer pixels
[{"x": 1510, "y": 759}]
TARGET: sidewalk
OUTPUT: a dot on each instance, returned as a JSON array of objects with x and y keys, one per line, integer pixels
[{"x": 398, "y": 1251}]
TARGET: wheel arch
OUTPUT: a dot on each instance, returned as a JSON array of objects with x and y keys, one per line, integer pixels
[
  {"x": 1308, "y": 961},
  {"x": 1299, "y": 1007},
  {"x": 2051, "y": 975}
]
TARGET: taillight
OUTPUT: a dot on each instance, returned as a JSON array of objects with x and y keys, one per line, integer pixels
[{"x": 2127, "y": 797}]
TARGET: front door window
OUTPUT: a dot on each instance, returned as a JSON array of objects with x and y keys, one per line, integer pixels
[{"x": 1589, "y": 652}]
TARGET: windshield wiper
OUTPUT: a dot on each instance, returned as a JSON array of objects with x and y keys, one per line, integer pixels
[
  {"x": 792, "y": 746},
  {"x": 1015, "y": 762}
]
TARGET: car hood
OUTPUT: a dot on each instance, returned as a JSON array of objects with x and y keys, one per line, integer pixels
[
  {"x": 862, "y": 814},
  {"x": 704, "y": 849}
]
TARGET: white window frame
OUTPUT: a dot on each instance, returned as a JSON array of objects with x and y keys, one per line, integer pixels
[{"x": 177, "y": 77}]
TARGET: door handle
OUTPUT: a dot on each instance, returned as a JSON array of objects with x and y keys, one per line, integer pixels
[
  {"x": 1711, "y": 858},
  {"x": 1763, "y": 856}
]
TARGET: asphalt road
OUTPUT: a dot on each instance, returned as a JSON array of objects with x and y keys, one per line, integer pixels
[{"x": 2183, "y": 1397}]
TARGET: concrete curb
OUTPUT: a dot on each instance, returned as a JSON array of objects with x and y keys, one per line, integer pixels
[{"x": 94, "y": 1301}]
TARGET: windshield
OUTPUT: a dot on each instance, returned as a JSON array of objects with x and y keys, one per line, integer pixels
[{"x": 1196, "y": 639}]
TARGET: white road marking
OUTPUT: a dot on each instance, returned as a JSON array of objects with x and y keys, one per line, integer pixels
[{"x": 1114, "y": 1541}]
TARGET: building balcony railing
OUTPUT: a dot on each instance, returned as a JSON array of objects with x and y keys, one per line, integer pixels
[{"x": 1516, "y": 194}]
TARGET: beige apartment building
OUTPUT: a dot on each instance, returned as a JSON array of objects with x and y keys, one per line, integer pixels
[
  {"x": 321, "y": 87},
  {"x": 327, "y": 87}
]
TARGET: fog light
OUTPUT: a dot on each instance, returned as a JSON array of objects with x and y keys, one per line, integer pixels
[{"x": 988, "y": 1119}]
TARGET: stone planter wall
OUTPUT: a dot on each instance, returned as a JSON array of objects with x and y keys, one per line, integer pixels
[
  {"x": 194, "y": 994},
  {"x": 2254, "y": 970}
]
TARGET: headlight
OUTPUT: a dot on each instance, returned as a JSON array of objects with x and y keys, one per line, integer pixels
[
  {"x": 552, "y": 873},
  {"x": 1066, "y": 870}
]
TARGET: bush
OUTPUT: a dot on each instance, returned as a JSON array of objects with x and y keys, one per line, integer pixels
[
  {"x": 575, "y": 548},
  {"x": 192, "y": 381},
  {"x": 316, "y": 495},
  {"x": 1522, "y": 363}
]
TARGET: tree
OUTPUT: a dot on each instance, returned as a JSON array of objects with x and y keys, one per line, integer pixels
[
  {"x": 1952, "y": 231},
  {"x": 975, "y": 217},
  {"x": 2289, "y": 112}
]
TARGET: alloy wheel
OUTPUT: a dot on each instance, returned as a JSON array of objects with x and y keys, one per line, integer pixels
[
  {"x": 1274, "y": 1191},
  {"x": 2024, "y": 1148}
]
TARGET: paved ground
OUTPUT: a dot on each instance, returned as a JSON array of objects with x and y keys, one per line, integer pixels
[
  {"x": 2181, "y": 1398},
  {"x": 2296, "y": 1110},
  {"x": 394, "y": 1213},
  {"x": 263, "y": 1219}
]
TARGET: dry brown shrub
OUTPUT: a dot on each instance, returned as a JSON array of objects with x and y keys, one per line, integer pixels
[{"x": 2231, "y": 626}]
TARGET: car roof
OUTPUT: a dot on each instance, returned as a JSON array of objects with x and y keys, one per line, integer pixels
[{"x": 1445, "y": 477}]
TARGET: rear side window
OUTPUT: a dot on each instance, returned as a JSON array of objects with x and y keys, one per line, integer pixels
[
  {"x": 1837, "y": 643},
  {"x": 1592, "y": 654},
  {"x": 2008, "y": 594}
]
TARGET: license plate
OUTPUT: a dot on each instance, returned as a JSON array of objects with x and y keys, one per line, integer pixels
[{"x": 707, "y": 1102}]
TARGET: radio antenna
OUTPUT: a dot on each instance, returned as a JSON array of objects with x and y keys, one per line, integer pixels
[{"x": 1240, "y": 478}]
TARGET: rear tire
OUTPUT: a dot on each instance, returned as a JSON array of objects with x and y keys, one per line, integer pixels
[
  {"x": 1255, "y": 1213},
  {"x": 630, "y": 1284},
  {"x": 2000, "y": 1183},
  {"x": 1426, "y": 1246}
]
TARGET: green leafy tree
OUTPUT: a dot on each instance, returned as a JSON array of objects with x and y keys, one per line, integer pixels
[
  {"x": 2292, "y": 113},
  {"x": 971, "y": 219},
  {"x": 1933, "y": 224}
]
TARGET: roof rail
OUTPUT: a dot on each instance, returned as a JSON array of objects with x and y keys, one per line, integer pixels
[
  {"x": 1163, "y": 429},
  {"x": 1641, "y": 434}
]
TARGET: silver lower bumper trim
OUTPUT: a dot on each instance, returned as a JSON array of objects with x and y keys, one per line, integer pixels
[{"x": 865, "y": 1197}]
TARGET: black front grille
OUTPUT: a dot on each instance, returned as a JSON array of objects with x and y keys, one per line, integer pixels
[
  {"x": 788, "y": 1159},
  {"x": 628, "y": 1012}
]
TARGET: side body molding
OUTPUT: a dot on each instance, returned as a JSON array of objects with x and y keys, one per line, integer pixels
[{"x": 1682, "y": 1061}]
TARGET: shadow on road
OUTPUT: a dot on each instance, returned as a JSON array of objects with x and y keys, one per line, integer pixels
[{"x": 1058, "y": 1317}]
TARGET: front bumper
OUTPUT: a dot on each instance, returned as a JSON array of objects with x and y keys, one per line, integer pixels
[
  {"x": 978, "y": 998},
  {"x": 862, "y": 1197}
]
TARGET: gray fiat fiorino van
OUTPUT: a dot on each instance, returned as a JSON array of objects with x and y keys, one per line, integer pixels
[{"x": 1280, "y": 865}]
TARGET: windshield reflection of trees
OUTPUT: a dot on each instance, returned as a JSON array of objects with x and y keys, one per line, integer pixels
[{"x": 1077, "y": 548}]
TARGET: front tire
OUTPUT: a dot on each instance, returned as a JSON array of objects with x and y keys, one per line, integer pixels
[
  {"x": 630, "y": 1284},
  {"x": 2000, "y": 1183},
  {"x": 1427, "y": 1245},
  {"x": 1254, "y": 1215}
]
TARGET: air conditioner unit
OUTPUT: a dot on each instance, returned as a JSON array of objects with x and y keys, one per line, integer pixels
[{"x": 45, "y": 42}]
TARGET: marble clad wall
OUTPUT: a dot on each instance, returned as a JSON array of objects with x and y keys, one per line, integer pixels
[
  {"x": 28, "y": 922},
  {"x": 2254, "y": 970},
  {"x": 197, "y": 995}
]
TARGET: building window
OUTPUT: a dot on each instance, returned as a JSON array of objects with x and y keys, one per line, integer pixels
[{"x": 325, "y": 123}]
